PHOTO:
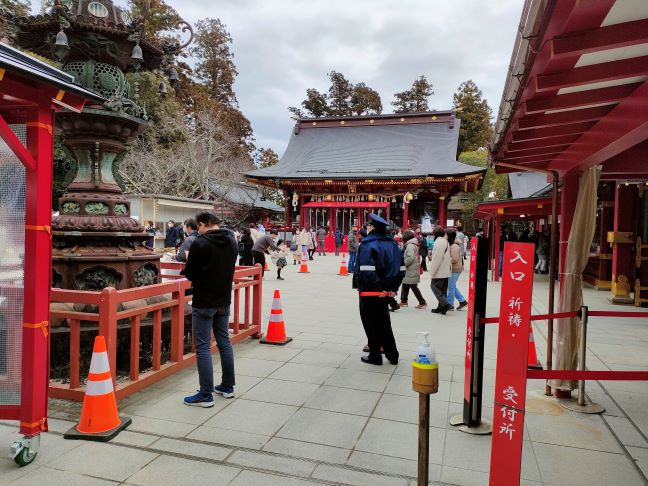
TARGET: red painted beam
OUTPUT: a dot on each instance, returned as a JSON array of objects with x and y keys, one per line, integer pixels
[
  {"x": 533, "y": 158},
  {"x": 563, "y": 117},
  {"x": 607, "y": 71},
  {"x": 624, "y": 127},
  {"x": 539, "y": 133},
  {"x": 603, "y": 38},
  {"x": 612, "y": 94},
  {"x": 543, "y": 142},
  {"x": 535, "y": 151},
  {"x": 16, "y": 145},
  {"x": 549, "y": 153}
]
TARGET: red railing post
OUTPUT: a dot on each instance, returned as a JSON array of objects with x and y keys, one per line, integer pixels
[
  {"x": 134, "y": 348},
  {"x": 256, "y": 305},
  {"x": 237, "y": 309},
  {"x": 177, "y": 324},
  {"x": 75, "y": 351},
  {"x": 157, "y": 339},
  {"x": 247, "y": 308},
  {"x": 108, "y": 326}
]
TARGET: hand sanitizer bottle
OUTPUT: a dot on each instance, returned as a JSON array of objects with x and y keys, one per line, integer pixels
[{"x": 425, "y": 354}]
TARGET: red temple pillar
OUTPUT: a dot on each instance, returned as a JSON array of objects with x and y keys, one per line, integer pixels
[
  {"x": 288, "y": 210},
  {"x": 623, "y": 242},
  {"x": 442, "y": 212},
  {"x": 496, "y": 248},
  {"x": 37, "y": 265},
  {"x": 405, "y": 214},
  {"x": 568, "y": 199}
]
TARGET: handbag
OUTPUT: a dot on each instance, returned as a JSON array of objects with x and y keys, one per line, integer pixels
[{"x": 293, "y": 246}]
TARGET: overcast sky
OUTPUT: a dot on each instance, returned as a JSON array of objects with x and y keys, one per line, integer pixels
[{"x": 283, "y": 47}]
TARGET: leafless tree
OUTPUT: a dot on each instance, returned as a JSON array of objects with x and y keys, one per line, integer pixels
[{"x": 183, "y": 157}]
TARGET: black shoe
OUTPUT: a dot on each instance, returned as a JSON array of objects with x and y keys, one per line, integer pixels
[
  {"x": 366, "y": 359},
  {"x": 445, "y": 309},
  {"x": 436, "y": 311},
  {"x": 280, "y": 278},
  {"x": 393, "y": 361},
  {"x": 394, "y": 308}
]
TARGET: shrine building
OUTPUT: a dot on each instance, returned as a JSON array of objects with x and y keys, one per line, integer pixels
[{"x": 336, "y": 171}]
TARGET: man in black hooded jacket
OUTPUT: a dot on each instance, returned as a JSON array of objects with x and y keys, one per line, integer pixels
[{"x": 210, "y": 267}]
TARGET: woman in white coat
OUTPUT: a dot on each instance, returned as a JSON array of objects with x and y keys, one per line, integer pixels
[{"x": 440, "y": 269}]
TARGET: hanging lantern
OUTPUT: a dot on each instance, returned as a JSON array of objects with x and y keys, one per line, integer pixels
[
  {"x": 329, "y": 197},
  {"x": 408, "y": 197},
  {"x": 370, "y": 197}
]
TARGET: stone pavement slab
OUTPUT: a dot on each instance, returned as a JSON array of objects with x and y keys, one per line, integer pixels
[
  {"x": 175, "y": 470},
  {"x": 322, "y": 427}
]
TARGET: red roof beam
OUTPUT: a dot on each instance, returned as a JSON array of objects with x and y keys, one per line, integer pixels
[
  {"x": 607, "y": 71},
  {"x": 536, "y": 159},
  {"x": 624, "y": 127},
  {"x": 540, "y": 133},
  {"x": 601, "y": 39},
  {"x": 563, "y": 117},
  {"x": 542, "y": 143},
  {"x": 16, "y": 146},
  {"x": 535, "y": 151},
  {"x": 612, "y": 94}
]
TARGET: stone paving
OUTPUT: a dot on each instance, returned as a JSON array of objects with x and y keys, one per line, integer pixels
[{"x": 312, "y": 413}]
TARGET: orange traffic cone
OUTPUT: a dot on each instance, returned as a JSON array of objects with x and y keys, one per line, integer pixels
[
  {"x": 99, "y": 418},
  {"x": 266, "y": 267},
  {"x": 276, "y": 333},
  {"x": 343, "y": 266},
  {"x": 304, "y": 264},
  {"x": 532, "y": 361}
]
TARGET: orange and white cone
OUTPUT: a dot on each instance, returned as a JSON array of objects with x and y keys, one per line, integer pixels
[
  {"x": 304, "y": 264},
  {"x": 99, "y": 420},
  {"x": 532, "y": 361},
  {"x": 276, "y": 332},
  {"x": 266, "y": 267},
  {"x": 343, "y": 266}
]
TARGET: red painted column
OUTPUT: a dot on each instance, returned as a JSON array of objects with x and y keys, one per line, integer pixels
[
  {"x": 332, "y": 224},
  {"x": 38, "y": 272},
  {"x": 288, "y": 209},
  {"x": 442, "y": 212},
  {"x": 568, "y": 198},
  {"x": 623, "y": 242},
  {"x": 496, "y": 249},
  {"x": 405, "y": 214}
]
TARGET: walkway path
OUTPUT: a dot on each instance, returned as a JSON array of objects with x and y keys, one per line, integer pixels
[{"x": 312, "y": 413}]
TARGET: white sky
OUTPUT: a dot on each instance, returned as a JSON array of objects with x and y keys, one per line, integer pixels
[{"x": 283, "y": 47}]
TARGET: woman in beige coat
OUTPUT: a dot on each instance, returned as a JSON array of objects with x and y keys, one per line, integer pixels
[
  {"x": 440, "y": 269},
  {"x": 413, "y": 270}
]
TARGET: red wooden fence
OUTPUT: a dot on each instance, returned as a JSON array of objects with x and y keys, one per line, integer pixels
[{"x": 246, "y": 322}]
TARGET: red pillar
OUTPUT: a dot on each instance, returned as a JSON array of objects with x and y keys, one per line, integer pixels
[
  {"x": 442, "y": 213},
  {"x": 288, "y": 210},
  {"x": 37, "y": 265},
  {"x": 405, "y": 214},
  {"x": 568, "y": 199},
  {"x": 496, "y": 249},
  {"x": 623, "y": 241},
  {"x": 332, "y": 216}
]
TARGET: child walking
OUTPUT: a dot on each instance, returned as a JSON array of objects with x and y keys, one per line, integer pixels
[{"x": 279, "y": 258}]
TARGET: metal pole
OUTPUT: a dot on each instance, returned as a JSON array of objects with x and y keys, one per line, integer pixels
[
  {"x": 424, "y": 439},
  {"x": 583, "y": 351}
]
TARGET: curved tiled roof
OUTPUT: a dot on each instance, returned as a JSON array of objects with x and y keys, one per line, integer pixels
[{"x": 381, "y": 151}]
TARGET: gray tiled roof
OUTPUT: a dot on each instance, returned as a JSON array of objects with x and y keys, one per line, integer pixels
[
  {"x": 30, "y": 67},
  {"x": 381, "y": 151},
  {"x": 244, "y": 194},
  {"x": 527, "y": 184}
]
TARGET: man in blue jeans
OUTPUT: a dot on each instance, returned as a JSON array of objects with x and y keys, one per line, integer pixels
[{"x": 210, "y": 268}]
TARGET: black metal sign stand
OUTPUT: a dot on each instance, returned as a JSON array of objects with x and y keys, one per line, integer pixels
[{"x": 471, "y": 421}]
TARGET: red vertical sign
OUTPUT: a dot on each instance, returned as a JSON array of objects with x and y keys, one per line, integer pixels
[
  {"x": 512, "y": 351},
  {"x": 470, "y": 320}
]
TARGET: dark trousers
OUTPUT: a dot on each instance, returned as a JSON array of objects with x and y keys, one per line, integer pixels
[
  {"x": 247, "y": 260},
  {"x": 204, "y": 321},
  {"x": 424, "y": 262},
  {"x": 259, "y": 258},
  {"x": 374, "y": 313},
  {"x": 439, "y": 288},
  {"x": 311, "y": 252},
  {"x": 417, "y": 293}
]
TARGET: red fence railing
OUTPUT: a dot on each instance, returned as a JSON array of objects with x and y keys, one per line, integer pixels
[{"x": 168, "y": 310}]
